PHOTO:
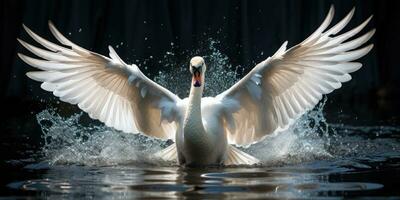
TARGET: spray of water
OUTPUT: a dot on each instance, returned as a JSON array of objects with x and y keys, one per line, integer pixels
[
  {"x": 310, "y": 138},
  {"x": 67, "y": 141}
]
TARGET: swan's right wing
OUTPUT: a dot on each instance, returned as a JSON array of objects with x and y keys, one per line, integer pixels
[
  {"x": 280, "y": 89},
  {"x": 117, "y": 94}
]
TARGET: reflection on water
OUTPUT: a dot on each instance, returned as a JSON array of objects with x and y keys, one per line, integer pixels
[{"x": 322, "y": 179}]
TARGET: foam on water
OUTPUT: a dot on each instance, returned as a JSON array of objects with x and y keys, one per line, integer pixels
[{"x": 310, "y": 138}]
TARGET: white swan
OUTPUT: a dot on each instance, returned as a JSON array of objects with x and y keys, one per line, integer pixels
[{"x": 268, "y": 99}]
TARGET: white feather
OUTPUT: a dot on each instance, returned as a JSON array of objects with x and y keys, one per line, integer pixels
[
  {"x": 295, "y": 79},
  {"x": 99, "y": 85}
]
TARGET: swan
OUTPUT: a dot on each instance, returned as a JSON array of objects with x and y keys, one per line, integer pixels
[{"x": 205, "y": 130}]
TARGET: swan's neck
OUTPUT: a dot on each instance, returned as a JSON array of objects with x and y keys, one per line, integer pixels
[{"x": 193, "y": 124}]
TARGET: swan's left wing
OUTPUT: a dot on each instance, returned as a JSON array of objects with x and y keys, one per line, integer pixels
[
  {"x": 107, "y": 88},
  {"x": 281, "y": 88}
]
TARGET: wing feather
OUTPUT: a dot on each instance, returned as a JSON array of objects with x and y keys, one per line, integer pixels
[
  {"x": 293, "y": 81},
  {"x": 106, "y": 88}
]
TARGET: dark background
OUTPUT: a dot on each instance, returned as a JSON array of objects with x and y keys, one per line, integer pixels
[{"x": 248, "y": 31}]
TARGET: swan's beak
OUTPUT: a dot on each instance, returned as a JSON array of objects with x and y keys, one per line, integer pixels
[{"x": 196, "y": 79}]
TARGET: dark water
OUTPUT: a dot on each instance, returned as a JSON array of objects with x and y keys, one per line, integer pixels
[{"x": 313, "y": 179}]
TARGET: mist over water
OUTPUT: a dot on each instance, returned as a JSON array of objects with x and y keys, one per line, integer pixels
[{"x": 67, "y": 141}]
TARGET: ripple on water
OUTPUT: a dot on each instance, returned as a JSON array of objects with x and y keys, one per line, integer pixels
[{"x": 172, "y": 182}]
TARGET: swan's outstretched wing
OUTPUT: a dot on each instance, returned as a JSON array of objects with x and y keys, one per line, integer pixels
[
  {"x": 281, "y": 88},
  {"x": 108, "y": 89}
]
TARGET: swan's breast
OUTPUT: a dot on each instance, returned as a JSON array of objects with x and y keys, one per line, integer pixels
[{"x": 210, "y": 111}]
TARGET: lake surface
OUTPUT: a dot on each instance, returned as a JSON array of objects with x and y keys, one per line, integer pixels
[{"x": 314, "y": 179}]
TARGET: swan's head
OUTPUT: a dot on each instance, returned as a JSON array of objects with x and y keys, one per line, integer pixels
[{"x": 197, "y": 69}]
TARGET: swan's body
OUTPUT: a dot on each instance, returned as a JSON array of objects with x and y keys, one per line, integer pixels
[
  {"x": 200, "y": 138},
  {"x": 267, "y": 100}
]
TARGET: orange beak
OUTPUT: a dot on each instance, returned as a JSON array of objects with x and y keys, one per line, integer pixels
[{"x": 196, "y": 79}]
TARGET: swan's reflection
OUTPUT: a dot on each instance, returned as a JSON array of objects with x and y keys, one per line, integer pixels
[{"x": 180, "y": 182}]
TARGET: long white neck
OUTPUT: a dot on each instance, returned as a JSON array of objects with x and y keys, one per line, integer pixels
[{"x": 193, "y": 124}]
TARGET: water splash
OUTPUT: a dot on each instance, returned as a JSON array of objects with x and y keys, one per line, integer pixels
[
  {"x": 309, "y": 138},
  {"x": 66, "y": 140}
]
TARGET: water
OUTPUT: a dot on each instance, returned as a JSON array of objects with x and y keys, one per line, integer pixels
[
  {"x": 80, "y": 158},
  {"x": 316, "y": 179}
]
